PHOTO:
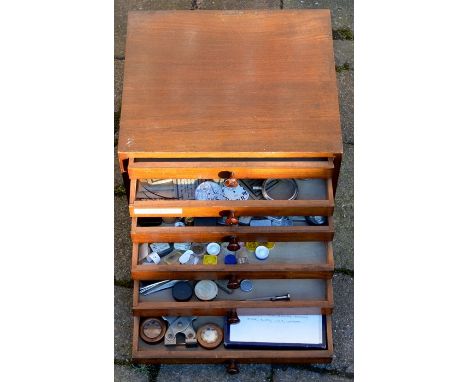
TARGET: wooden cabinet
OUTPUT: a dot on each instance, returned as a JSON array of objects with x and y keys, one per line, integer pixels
[{"x": 240, "y": 96}]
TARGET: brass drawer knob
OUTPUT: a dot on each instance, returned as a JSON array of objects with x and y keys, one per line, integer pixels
[
  {"x": 233, "y": 283},
  {"x": 229, "y": 179},
  {"x": 233, "y": 244},
  {"x": 232, "y": 367},
  {"x": 232, "y": 317},
  {"x": 230, "y": 218}
]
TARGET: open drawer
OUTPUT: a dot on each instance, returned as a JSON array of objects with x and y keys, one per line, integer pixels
[
  {"x": 309, "y": 259},
  {"x": 176, "y": 198},
  {"x": 162, "y": 232},
  {"x": 316, "y": 295},
  {"x": 143, "y": 352},
  {"x": 242, "y": 168}
]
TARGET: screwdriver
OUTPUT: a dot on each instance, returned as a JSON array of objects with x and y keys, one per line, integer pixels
[{"x": 285, "y": 297}]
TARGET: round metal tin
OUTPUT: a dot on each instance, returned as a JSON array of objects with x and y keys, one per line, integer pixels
[{"x": 246, "y": 286}]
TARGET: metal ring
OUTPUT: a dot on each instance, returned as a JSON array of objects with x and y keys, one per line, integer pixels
[{"x": 267, "y": 181}]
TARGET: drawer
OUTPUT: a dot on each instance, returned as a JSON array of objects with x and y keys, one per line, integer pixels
[
  {"x": 315, "y": 197},
  {"x": 160, "y": 353},
  {"x": 206, "y": 168},
  {"x": 314, "y": 294},
  {"x": 167, "y": 233},
  {"x": 310, "y": 259}
]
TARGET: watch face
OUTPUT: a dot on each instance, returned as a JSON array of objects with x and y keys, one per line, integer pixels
[
  {"x": 152, "y": 328},
  {"x": 209, "y": 191},
  {"x": 235, "y": 193},
  {"x": 210, "y": 336}
]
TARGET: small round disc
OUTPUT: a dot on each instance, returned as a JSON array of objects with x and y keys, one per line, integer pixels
[
  {"x": 206, "y": 290},
  {"x": 182, "y": 291},
  {"x": 152, "y": 330},
  {"x": 210, "y": 336},
  {"x": 230, "y": 259},
  {"x": 246, "y": 286}
]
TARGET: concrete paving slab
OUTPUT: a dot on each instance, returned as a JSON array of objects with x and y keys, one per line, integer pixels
[
  {"x": 342, "y": 10},
  {"x": 123, "y": 323},
  {"x": 301, "y": 374},
  {"x": 344, "y": 53},
  {"x": 122, "y": 241},
  {"x": 345, "y": 81},
  {"x": 203, "y": 373},
  {"x": 121, "y": 8},
  {"x": 118, "y": 84},
  {"x": 130, "y": 374},
  {"x": 238, "y": 4},
  {"x": 343, "y": 242}
]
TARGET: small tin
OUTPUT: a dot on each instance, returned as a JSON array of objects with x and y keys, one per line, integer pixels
[
  {"x": 210, "y": 259},
  {"x": 230, "y": 259},
  {"x": 152, "y": 330},
  {"x": 246, "y": 286},
  {"x": 206, "y": 290},
  {"x": 182, "y": 291},
  {"x": 210, "y": 336}
]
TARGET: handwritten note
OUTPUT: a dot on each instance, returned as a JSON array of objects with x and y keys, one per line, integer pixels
[{"x": 283, "y": 329}]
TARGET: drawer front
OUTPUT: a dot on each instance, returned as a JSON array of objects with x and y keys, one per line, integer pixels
[
  {"x": 315, "y": 197},
  {"x": 286, "y": 260},
  {"x": 171, "y": 234},
  {"x": 160, "y": 353},
  {"x": 148, "y": 168},
  {"x": 313, "y": 296}
]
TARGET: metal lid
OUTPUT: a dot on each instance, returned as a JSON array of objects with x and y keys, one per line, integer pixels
[
  {"x": 182, "y": 291},
  {"x": 246, "y": 286},
  {"x": 206, "y": 290}
]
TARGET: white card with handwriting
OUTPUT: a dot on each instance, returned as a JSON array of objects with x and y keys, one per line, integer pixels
[{"x": 283, "y": 329}]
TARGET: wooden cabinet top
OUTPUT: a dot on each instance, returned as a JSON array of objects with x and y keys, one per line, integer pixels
[{"x": 230, "y": 84}]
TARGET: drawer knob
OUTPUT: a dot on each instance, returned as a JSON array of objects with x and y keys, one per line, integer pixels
[
  {"x": 233, "y": 283},
  {"x": 229, "y": 179},
  {"x": 233, "y": 244},
  {"x": 232, "y": 367},
  {"x": 232, "y": 317},
  {"x": 230, "y": 218}
]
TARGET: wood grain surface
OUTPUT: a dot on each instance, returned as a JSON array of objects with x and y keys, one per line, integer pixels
[{"x": 224, "y": 84}]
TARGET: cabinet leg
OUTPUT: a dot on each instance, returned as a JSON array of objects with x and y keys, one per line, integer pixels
[{"x": 232, "y": 367}]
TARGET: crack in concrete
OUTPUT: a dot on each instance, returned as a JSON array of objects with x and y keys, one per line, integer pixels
[
  {"x": 153, "y": 372},
  {"x": 345, "y": 271},
  {"x": 342, "y": 68},
  {"x": 124, "y": 283}
]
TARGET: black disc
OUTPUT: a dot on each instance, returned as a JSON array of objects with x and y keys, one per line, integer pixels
[{"x": 182, "y": 291}]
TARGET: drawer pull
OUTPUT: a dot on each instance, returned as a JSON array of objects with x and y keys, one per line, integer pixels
[
  {"x": 233, "y": 283},
  {"x": 229, "y": 179},
  {"x": 232, "y": 367},
  {"x": 233, "y": 244},
  {"x": 230, "y": 218},
  {"x": 232, "y": 317}
]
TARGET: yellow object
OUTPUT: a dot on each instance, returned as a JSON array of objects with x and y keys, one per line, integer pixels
[
  {"x": 210, "y": 259},
  {"x": 251, "y": 246},
  {"x": 269, "y": 244}
]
